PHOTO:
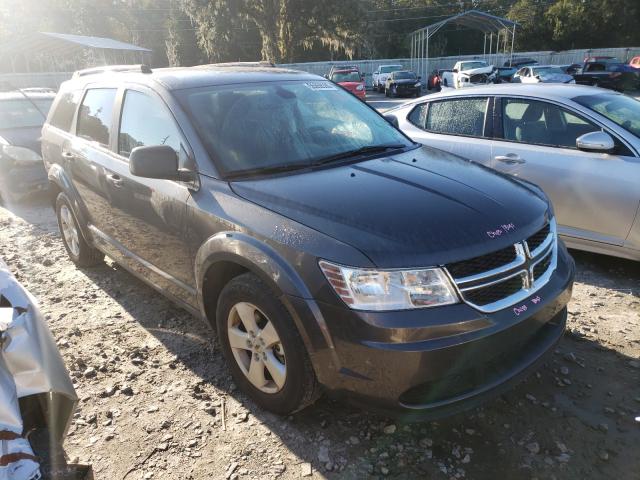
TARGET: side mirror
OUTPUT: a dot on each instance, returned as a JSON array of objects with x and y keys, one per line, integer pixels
[
  {"x": 455, "y": 70},
  {"x": 419, "y": 77},
  {"x": 393, "y": 120},
  {"x": 157, "y": 161},
  {"x": 595, "y": 142}
]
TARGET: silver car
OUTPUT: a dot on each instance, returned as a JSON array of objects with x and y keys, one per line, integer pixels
[
  {"x": 542, "y": 74},
  {"x": 580, "y": 144}
]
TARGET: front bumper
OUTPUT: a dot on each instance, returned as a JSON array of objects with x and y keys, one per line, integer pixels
[
  {"x": 20, "y": 181},
  {"x": 435, "y": 362}
]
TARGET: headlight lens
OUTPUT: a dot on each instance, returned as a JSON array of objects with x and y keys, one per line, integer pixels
[
  {"x": 380, "y": 290},
  {"x": 21, "y": 155},
  {"x": 360, "y": 88},
  {"x": 418, "y": 84}
]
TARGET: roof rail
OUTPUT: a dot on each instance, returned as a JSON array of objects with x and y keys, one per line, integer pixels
[
  {"x": 113, "y": 68},
  {"x": 262, "y": 63}
]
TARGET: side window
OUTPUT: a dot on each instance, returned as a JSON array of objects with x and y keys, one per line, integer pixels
[
  {"x": 62, "y": 116},
  {"x": 463, "y": 116},
  {"x": 94, "y": 117},
  {"x": 146, "y": 121},
  {"x": 535, "y": 122},
  {"x": 418, "y": 115}
]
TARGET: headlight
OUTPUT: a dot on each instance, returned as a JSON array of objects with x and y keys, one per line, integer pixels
[
  {"x": 360, "y": 88},
  {"x": 21, "y": 155},
  {"x": 368, "y": 289},
  {"x": 418, "y": 84}
]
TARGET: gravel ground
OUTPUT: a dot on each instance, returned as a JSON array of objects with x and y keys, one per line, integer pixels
[{"x": 156, "y": 400}]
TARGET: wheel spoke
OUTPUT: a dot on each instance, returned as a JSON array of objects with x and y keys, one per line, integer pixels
[
  {"x": 269, "y": 335},
  {"x": 256, "y": 372},
  {"x": 238, "y": 338},
  {"x": 247, "y": 316},
  {"x": 277, "y": 370}
]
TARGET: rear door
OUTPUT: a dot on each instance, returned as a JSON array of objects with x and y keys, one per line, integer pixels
[
  {"x": 460, "y": 125},
  {"x": 592, "y": 193}
]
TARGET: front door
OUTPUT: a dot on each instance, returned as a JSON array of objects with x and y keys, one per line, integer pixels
[{"x": 595, "y": 195}]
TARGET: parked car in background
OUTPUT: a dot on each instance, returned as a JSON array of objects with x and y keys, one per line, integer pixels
[
  {"x": 435, "y": 79},
  {"x": 22, "y": 114},
  {"x": 580, "y": 144},
  {"x": 571, "y": 69},
  {"x": 342, "y": 68},
  {"x": 290, "y": 241},
  {"x": 469, "y": 73},
  {"x": 403, "y": 83},
  {"x": 351, "y": 81},
  {"x": 635, "y": 62},
  {"x": 510, "y": 67},
  {"x": 381, "y": 74},
  {"x": 608, "y": 73},
  {"x": 542, "y": 74}
]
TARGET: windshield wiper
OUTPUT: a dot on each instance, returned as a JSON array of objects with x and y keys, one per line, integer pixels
[
  {"x": 285, "y": 167},
  {"x": 367, "y": 149}
]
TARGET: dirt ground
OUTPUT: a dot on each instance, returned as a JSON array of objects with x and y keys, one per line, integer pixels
[{"x": 156, "y": 399}]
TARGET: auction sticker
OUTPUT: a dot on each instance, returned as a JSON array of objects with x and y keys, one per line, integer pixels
[{"x": 320, "y": 86}]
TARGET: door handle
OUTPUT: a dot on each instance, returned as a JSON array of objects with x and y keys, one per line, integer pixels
[
  {"x": 115, "y": 180},
  {"x": 510, "y": 159}
]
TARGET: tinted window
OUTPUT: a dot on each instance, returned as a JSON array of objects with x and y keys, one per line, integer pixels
[
  {"x": 346, "y": 77},
  {"x": 20, "y": 113},
  {"x": 463, "y": 116},
  {"x": 146, "y": 121},
  {"x": 542, "y": 123},
  {"x": 404, "y": 75},
  {"x": 65, "y": 109},
  {"x": 94, "y": 117}
]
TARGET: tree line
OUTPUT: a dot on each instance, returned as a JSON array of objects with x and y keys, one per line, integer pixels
[{"x": 188, "y": 32}]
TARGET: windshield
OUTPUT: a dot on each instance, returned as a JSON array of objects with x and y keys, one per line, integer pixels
[
  {"x": 20, "y": 113},
  {"x": 43, "y": 104},
  {"x": 472, "y": 65},
  {"x": 268, "y": 125},
  {"x": 548, "y": 71},
  {"x": 340, "y": 77},
  {"x": 620, "y": 109},
  {"x": 390, "y": 68},
  {"x": 404, "y": 75}
]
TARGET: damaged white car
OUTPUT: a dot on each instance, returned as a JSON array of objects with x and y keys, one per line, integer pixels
[
  {"x": 469, "y": 73},
  {"x": 37, "y": 398}
]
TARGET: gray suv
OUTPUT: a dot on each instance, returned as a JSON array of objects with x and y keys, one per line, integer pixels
[{"x": 325, "y": 247}]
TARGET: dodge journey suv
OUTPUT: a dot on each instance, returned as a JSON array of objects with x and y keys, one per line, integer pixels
[{"x": 324, "y": 246}]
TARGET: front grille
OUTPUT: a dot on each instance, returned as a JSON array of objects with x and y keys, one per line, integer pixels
[
  {"x": 535, "y": 240},
  {"x": 502, "y": 278},
  {"x": 483, "y": 263},
  {"x": 494, "y": 293}
]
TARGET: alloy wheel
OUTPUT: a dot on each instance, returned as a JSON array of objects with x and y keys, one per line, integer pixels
[
  {"x": 256, "y": 347},
  {"x": 69, "y": 230}
]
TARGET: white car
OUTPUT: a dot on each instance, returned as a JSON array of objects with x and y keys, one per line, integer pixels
[
  {"x": 542, "y": 74},
  {"x": 468, "y": 74},
  {"x": 580, "y": 144},
  {"x": 381, "y": 74}
]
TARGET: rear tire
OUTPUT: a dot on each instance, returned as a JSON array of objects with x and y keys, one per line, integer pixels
[
  {"x": 80, "y": 252},
  {"x": 265, "y": 339}
]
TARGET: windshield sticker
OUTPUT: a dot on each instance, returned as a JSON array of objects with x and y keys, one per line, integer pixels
[
  {"x": 506, "y": 228},
  {"x": 320, "y": 86}
]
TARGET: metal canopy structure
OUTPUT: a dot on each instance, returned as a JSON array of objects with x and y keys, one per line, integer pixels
[
  {"x": 488, "y": 24},
  {"x": 47, "y": 51}
]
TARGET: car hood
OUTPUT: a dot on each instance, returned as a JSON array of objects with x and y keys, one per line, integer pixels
[
  {"x": 419, "y": 208},
  {"x": 475, "y": 71},
  {"x": 556, "y": 78},
  {"x": 23, "y": 137},
  {"x": 349, "y": 85}
]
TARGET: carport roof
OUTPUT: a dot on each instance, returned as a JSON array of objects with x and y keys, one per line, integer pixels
[{"x": 485, "y": 22}]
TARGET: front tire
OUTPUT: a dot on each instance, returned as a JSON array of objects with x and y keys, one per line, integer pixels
[
  {"x": 80, "y": 252},
  {"x": 263, "y": 347}
]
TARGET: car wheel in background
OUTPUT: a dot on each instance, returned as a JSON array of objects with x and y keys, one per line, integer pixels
[
  {"x": 261, "y": 343},
  {"x": 80, "y": 252}
]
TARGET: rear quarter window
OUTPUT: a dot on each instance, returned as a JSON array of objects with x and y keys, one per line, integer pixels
[{"x": 64, "y": 109}]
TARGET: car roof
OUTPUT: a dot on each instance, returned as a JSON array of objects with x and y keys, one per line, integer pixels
[
  {"x": 551, "y": 91},
  {"x": 178, "y": 78}
]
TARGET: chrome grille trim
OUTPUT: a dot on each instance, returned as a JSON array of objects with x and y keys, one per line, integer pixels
[{"x": 522, "y": 266}]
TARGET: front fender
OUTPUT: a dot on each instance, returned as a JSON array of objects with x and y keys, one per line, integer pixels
[
  {"x": 275, "y": 271},
  {"x": 59, "y": 178}
]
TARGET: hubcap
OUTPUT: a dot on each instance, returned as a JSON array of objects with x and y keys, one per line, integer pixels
[
  {"x": 256, "y": 347},
  {"x": 69, "y": 230}
]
